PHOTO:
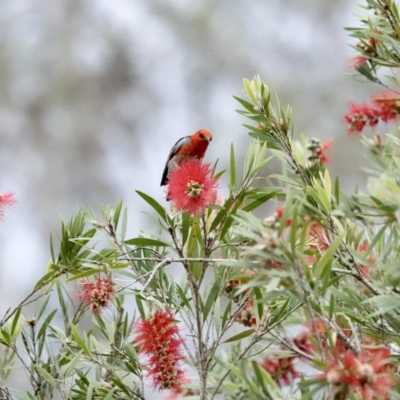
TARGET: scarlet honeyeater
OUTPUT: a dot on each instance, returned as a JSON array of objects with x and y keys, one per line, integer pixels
[{"x": 186, "y": 148}]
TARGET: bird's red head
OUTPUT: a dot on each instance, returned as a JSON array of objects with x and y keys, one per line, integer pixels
[{"x": 202, "y": 135}]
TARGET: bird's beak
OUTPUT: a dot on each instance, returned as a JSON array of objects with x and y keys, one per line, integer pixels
[{"x": 207, "y": 138}]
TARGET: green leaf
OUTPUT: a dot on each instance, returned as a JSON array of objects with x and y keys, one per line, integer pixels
[
  {"x": 45, "y": 375},
  {"x": 185, "y": 227},
  {"x": 79, "y": 340},
  {"x": 145, "y": 242},
  {"x": 15, "y": 320},
  {"x": 261, "y": 200},
  {"x": 110, "y": 394},
  {"x": 248, "y": 106},
  {"x": 84, "y": 274},
  {"x": 240, "y": 336},
  {"x": 210, "y": 299},
  {"x": 232, "y": 181},
  {"x": 139, "y": 305},
  {"x": 71, "y": 365},
  {"x": 46, "y": 322},
  {"x": 327, "y": 257},
  {"x": 269, "y": 387},
  {"x": 153, "y": 203},
  {"x": 117, "y": 213}
]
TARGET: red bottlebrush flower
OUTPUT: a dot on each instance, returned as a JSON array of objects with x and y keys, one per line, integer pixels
[
  {"x": 282, "y": 370},
  {"x": 325, "y": 146},
  {"x": 6, "y": 200},
  {"x": 357, "y": 61},
  {"x": 158, "y": 340},
  {"x": 180, "y": 391},
  {"x": 97, "y": 294},
  {"x": 383, "y": 107},
  {"x": 303, "y": 340},
  {"x": 234, "y": 284},
  {"x": 386, "y": 103},
  {"x": 247, "y": 316},
  {"x": 191, "y": 186},
  {"x": 368, "y": 374}
]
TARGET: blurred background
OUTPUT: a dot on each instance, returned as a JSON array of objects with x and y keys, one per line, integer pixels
[{"x": 93, "y": 94}]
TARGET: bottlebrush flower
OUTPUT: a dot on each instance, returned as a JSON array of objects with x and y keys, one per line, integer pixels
[
  {"x": 325, "y": 146},
  {"x": 383, "y": 107},
  {"x": 97, "y": 294},
  {"x": 357, "y": 61},
  {"x": 368, "y": 374},
  {"x": 318, "y": 149},
  {"x": 282, "y": 370},
  {"x": 247, "y": 316},
  {"x": 158, "y": 340},
  {"x": 6, "y": 200},
  {"x": 191, "y": 186},
  {"x": 180, "y": 391}
]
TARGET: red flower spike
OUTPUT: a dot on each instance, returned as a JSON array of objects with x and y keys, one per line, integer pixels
[
  {"x": 6, "y": 200},
  {"x": 282, "y": 370},
  {"x": 368, "y": 373},
  {"x": 383, "y": 107},
  {"x": 191, "y": 187},
  {"x": 180, "y": 391},
  {"x": 325, "y": 146},
  {"x": 98, "y": 294},
  {"x": 357, "y": 61},
  {"x": 158, "y": 340}
]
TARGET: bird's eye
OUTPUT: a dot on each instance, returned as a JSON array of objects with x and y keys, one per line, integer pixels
[{"x": 201, "y": 135}]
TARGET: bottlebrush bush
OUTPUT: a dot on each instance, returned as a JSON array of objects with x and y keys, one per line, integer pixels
[{"x": 300, "y": 304}]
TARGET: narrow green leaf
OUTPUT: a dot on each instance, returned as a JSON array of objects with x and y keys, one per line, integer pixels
[
  {"x": 89, "y": 395},
  {"x": 261, "y": 200},
  {"x": 71, "y": 365},
  {"x": 15, "y": 320},
  {"x": 110, "y": 394},
  {"x": 248, "y": 106},
  {"x": 42, "y": 330},
  {"x": 249, "y": 91},
  {"x": 232, "y": 181},
  {"x": 84, "y": 274},
  {"x": 79, "y": 341},
  {"x": 240, "y": 336},
  {"x": 327, "y": 257},
  {"x": 185, "y": 227},
  {"x": 153, "y": 203},
  {"x": 139, "y": 305},
  {"x": 210, "y": 299},
  {"x": 117, "y": 213},
  {"x": 144, "y": 242},
  {"x": 45, "y": 375}
]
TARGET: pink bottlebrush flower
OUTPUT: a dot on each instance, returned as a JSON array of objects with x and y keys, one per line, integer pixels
[
  {"x": 97, "y": 294},
  {"x": 325, "y": 146},
  {"x": 6, "y": 200},
  {"x": 383, "y": 107},
  {"x": 158, "y": 340},
  {"x": 282, "y": 370},
  {"x": 357, "y": 61},
  {"x": 369, "y": 373},
  {"x": 191, "y": 186}
]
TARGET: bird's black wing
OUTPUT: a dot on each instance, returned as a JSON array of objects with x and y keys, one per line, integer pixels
[{"x": 181, "y": 142}]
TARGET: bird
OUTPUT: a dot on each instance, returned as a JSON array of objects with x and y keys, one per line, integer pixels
[{"x": 186, "y": 148}]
